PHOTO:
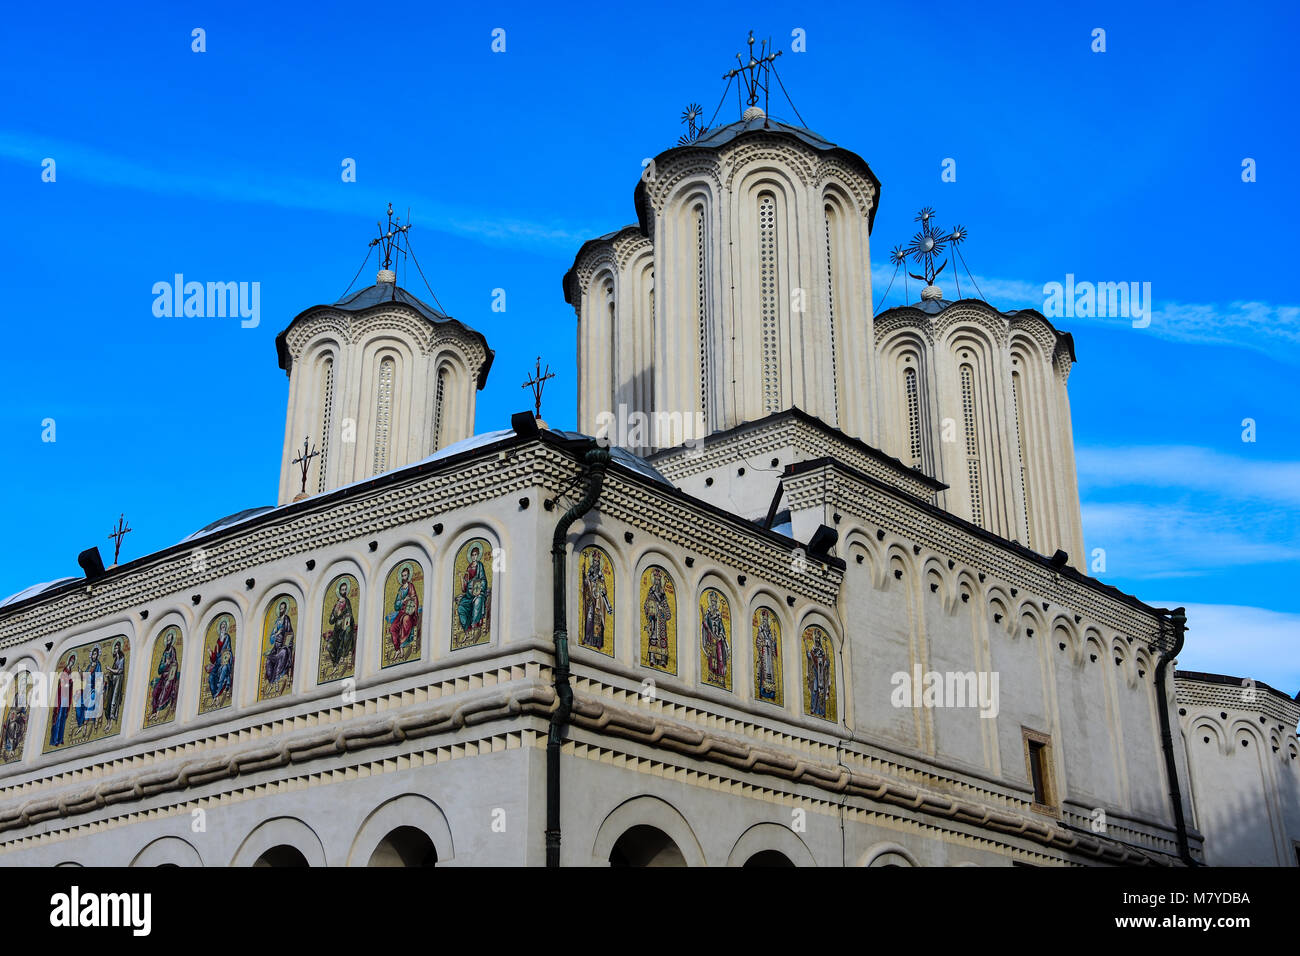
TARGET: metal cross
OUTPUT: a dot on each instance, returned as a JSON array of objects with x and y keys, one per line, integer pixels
[
  {"x": 304, "y": 460},
  {"x": 754, "y": 72},
  {"x": 387, "y": 241},
  {"x": 118, "y": 534},
  {"x": 538, "y": 382}
]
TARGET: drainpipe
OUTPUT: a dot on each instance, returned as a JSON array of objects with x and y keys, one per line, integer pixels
[
  {"x": 1178, "y": 620},
  {"x": 596, "y": 461}
]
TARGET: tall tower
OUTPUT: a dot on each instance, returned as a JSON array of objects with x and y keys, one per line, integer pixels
[
  {"x": 377, "y": 381},
  {"x": 743, "y": 289}
]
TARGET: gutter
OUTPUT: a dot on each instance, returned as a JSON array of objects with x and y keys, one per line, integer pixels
[
  {"x": 1178, "y": 620},
  {"x": 596, "y": 460}
]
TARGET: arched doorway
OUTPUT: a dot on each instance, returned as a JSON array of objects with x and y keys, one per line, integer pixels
[
  {"x": 645, "y": 846},
  {"x": 282, "y": 855},
  {"x": 404, "y": 846},
  {"x": 769, "y": 858}
]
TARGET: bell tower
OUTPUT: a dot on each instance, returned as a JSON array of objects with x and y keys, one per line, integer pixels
[
  {"x": 377, "y": 381},
  {"x": 743, "y": 289}
]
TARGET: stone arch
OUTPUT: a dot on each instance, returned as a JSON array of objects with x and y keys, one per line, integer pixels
[
  {"x": 937, "y": 582},
  {"x": 770, "y": 837},
  {"x": 252, "y": 663},
  {"x": 900, "y": 350},
  {"x": 416, "y": 551},
  {"x": 315, "y": 617},
  {"x": 860, "y": 547},
  {"x": 999, "y": 609},
  {"x": 740, "y": 674},
  {"x": 139, "y": 701},
  {"x": 406, "y": 810},
  {"x": 1204, "y": 726},
  {"x": 839, "y": 667},
  {"x": 623, "y": 598},
  {"x": 887, "y": 854},
  {"x": 277, "y": 832},
  {"x": 649, "y": 811},
  {"x": 447, "y": 585},
  {"x": 767, "y": 598},
  {"x": 685, "y": 593},
  {"x": 168, "y": 851}
]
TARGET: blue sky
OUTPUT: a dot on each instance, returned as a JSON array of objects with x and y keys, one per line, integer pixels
[{"x": 225, "y": 165}]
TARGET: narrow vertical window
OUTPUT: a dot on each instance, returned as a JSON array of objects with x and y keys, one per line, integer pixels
[
  {"x": 383, "y": 415},
  {"x": 768, "y": 302},
  {"x": 972, "y": 443},
  {"x": 439, "y": 397},
  {"x": 830, "y": 306},
  {"x": 913, "y": 415},
  {"x": 1038, "y": 760},
  {"x": 326, "y": 416},
  {"x": 1018, "y": 410},
  {"x": 702, "y": 307}
]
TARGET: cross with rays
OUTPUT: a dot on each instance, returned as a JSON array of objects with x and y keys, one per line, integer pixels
[
  {"x": 754, "y": 72},
  {"x": 388, "y": 241},
  {"x": 304, "y": 461},
  {"x": 538, "y": 382},
  {"x": 117, "y": 534}
]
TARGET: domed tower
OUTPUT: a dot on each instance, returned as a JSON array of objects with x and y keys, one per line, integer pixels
[
  {"x": 377, "y": 381},
  {"x": 976, "y": 397},
  {"x": 743, "y": 289}
]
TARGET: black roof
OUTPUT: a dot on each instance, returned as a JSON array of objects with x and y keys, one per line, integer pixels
[{"x": 378, "y": 296}]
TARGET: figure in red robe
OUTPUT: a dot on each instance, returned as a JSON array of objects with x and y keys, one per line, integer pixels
[{"x": 404, "y": 621}]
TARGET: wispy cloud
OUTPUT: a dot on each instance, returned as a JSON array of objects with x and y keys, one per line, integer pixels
[
  {"x": 1189, "y": 467},
  {"x": 1242, "y": 642},
  {"x": 1263, "y": 326},
  {"x": 1151, "y": 541},
  {"x": 227, "y": 182},
  {"x": 1178, "y": 511}
]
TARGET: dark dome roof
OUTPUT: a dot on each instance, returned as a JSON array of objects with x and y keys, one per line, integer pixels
[
  {"x": 378, "y": 296},
  {"x": 722, "y": 135}
]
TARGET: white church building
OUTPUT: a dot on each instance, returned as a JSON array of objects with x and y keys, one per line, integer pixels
[{"x": 802, "y": 588}]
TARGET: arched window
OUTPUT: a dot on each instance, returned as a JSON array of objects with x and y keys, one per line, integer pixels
[
  {"x": 1017, "y": 409},
  {"x": 972, "y": 443},
  {"x": 439, "y": 397},
  {"x": 830, "y": 295},
  {"x": 913, "y": 396},
  {"x": 702, "y": 307},
  {"x": 326, "y": 416},
  {"x": 383, "y": 414},
  {"x": 768, "y": 302}
]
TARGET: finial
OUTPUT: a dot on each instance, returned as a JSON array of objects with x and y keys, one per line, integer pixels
[
  {"x": 690, "y": 116},
  {"x": 117, "y": 534},
  {"x": 537, "y": 383},
  {"x": 753, "y": 72},
  {"x": 304, "y": 461},
  {"x": 390, "y": 242}
]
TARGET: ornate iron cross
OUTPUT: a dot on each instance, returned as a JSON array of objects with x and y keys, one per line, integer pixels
[
  {"x": 754, "y": 72},
  {"x": 538, "y": 382},
  {"x": 304, "y": 461},
  {"x": 388, "y": 241},
  {"x": 117, "y": 534}
]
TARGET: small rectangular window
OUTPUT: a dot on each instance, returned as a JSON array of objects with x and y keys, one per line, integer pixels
[
  {"x": 1038, "y": 763},
  {"x": 1037, "y": 752}
]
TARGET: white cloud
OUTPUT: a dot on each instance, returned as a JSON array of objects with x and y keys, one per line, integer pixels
[
  {"x": 231, "y": 183},
  {"x": 1241, "y": 641},
  {"x": 1199, "y": 469},
  {"x": 1145, "y": 540}
]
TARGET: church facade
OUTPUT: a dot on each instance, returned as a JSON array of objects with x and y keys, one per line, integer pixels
[{"x": 829, "y": 614}]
